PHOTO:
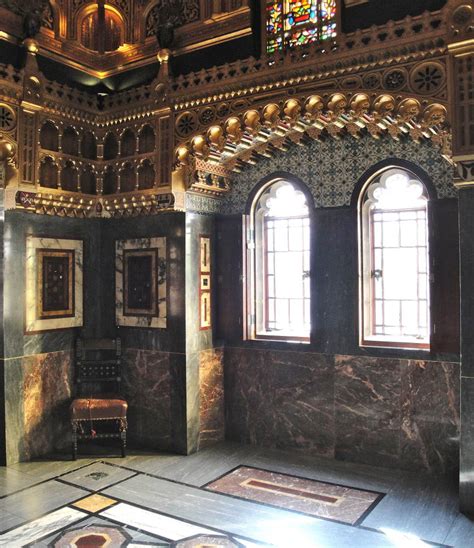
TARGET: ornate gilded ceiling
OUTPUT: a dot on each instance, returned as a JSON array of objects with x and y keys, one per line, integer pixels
[
  {"x": 103, "y": 38},
  {"x": 409, "y": 79}
]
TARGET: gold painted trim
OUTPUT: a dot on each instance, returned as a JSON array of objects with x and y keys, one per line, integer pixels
[
  {"x": 212, "y": 41},
  {"x": 460, "y": 49},
  {"x": 463, "y": 184},
  {"x": 144, "y": 61},
  {"x": 463, "y": 158}
]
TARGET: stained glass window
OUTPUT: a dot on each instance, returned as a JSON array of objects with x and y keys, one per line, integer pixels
[{"x": 294, "y": 23}]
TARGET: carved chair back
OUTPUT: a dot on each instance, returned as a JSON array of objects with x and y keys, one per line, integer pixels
[{"x": 98, "y": 366}]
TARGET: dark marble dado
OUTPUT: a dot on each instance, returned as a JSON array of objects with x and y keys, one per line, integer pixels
[
  {"x": 390, "y": 412},
  {"x": 430, "y": 415},
  {"x": 37, "y": 404},
  {"x": 211, "y": 396},
  {"x": 147, "y": 386},
  {"x": 280, "y": 399},
  {"x": 367, "y": 409}
]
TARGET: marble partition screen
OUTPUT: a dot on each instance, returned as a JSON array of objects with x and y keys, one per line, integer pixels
[
  {"x": 140, "y": 282},
  {"x": 53, "y": 284}
]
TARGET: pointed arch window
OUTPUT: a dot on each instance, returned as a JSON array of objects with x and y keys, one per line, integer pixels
[
  {"x": 395, "y": 261},
  {"x": 291, "y": 23},
  {"x": 278, "y": 264}
]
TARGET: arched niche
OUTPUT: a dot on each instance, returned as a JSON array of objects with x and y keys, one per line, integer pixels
[
  {"x": 48, "y": 173},
  {"x": 88, "y": 181},
  {"x": 111, "y": 146},
  {"x": 101, "y": 35},
  {"x": 127, "y": 178},
  {"x": 146, "y": 175},
  {"x": 70, "y": 141},
  {"x": 146, "y": 139},
  {"x": 110, "y": 181},
  {"x": 69, "y": 177},
  {"x": 128, "y": 143},
  {"x": 89, "y": 146},
  {"x": 49, "y": 136}
]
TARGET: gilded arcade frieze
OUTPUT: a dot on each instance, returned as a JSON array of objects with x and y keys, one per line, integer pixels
[{"x": 397, "y": 80}]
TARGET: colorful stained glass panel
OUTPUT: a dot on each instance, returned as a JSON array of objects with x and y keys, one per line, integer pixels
[{"x": 293, "y": 23}]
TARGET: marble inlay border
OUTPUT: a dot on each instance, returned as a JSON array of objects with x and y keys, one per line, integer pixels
[
  {"x": 124, "y": 316},
  {"x": 321, "y": 499},
  {"x": 36, "y": 250}
]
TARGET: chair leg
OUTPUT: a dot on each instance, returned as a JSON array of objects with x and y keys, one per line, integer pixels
[
  {"x": 74, "y": 440},
  {"x": 123, "y": 441}
]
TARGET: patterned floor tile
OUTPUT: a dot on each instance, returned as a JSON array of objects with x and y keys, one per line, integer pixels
[
  {"x": 94, "y": 503},
  {"x": 324, "y": 500},
  {"x": 41, "y": 527},
  {"x": 97, "y": 476},
  {"x": 154, "y": 523}
]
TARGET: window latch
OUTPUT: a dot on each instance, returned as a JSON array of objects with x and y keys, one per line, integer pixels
[
  {"x": 306, "y": 274},
  {"x": 377, "y": 274}
]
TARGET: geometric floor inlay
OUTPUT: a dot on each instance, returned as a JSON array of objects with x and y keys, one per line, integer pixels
[
  {"x": 316, "y": 498},
  {"x": 93, "y": 537},
  {"x": 94, "y": 503}
]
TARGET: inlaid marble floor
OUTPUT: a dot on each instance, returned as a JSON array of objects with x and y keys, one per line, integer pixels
[{"x": 169, "y": 500}]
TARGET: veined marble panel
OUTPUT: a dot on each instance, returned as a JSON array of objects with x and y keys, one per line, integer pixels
[
  {"x": 33, "y": 291},
  {"x": 41, "y": 527},
  {"x": 384, "y": 411},
  {"x": 37, "y": 404},
  {"x": 148, "y": 388},
  {"x": 157, "y": 319},
  {"x": 211, "y": 396}
]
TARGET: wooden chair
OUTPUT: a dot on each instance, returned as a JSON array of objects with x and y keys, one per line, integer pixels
[{"x": 98, "y": 403}]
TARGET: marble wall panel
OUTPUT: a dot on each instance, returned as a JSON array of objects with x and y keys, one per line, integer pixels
[
  {"x": 19, "y": 225},
  {"x": 390, "y": 412},
  {"x": 72, "y": 318},
  {"x": 466, "y": 485},
  {"x": 211, "y": 397},
  {"x": 147, "y": 386},
  {"x": 172, "y": 227},
  {"x": 37, "y": 404},
  {"x": 367, "y": 402},
  {"x": 280, "y": 399},
  {"x": 430, "y": 416},
  {"x": 157, "y": 317}
]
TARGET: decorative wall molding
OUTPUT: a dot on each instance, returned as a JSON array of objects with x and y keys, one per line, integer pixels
[
  {"x": 261, "y": 132},
  {"x": 140, "y": 282},
  {"x": 53, "y": 284}
]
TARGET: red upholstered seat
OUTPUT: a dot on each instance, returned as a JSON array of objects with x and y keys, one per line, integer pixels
[
  {"x": 98, "y": 411},
  {"x": 104, "y": 407}
]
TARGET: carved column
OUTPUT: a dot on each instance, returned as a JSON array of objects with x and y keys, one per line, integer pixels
[
  {"x": 30, "y": 105},
  {"x": 461, "y": 48}
]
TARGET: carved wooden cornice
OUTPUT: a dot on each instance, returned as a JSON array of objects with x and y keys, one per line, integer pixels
[
  {"x": 261, "y": 131},
  {"x": 70, "y": 204}
]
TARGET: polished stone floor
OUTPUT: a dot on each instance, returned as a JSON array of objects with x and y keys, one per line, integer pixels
[{"x": 164, "y": 500}]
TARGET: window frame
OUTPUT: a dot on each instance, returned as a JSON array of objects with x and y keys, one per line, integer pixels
[
  {"x": 252, "y": 286},
  {"x": 366, "y": 259}
]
